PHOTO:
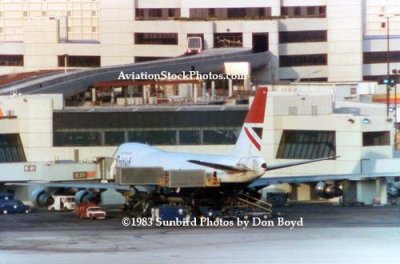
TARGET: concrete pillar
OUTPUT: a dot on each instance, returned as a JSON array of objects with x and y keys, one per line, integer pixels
[
  {"x": 349, "y": 192},
  {"x": 76, "y": 155},
  {"x": 300, "y": 192},
  {"x": 373, "y": 191},
  {"x": 195, "y": 92},
  {"x": 94, "y": 95},
  {"x": 381, "y": 191},
  {"x": 204, "y": 90},
  {"x": 212, "y": 90},
  {"x": 185, "y": 12},
  {"x": 246, "y": 83},
  {"x": 230, "y": 88},
  {"x": 112, "y": 95},
  {"x": 146, "y": 94}
]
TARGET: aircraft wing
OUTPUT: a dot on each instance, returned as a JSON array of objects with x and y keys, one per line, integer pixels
[
  {"x": 218, "y": 166},
  {"x": 286, "y": 165},
  {"x": 271, "y": 180}
]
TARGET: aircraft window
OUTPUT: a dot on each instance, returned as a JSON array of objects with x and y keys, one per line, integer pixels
[{"x": 306, "y": 144}]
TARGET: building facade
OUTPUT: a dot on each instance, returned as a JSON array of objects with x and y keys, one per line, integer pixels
[{"x": 316, "y": 40}]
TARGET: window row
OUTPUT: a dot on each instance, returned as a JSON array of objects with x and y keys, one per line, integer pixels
[
  {"x": 156, "y": 38},
  {"x": 216, "y": 136},
  {"x": 79, "y": 61},
  {"x": 303, "y": 36},
  {"x": 148, "y": 119},
  {"x": 229, "y": 13},
  {"x": 303, "y": 11},
  {"x": 381, "y": 57},
  {"x": 157, "y": 13},
  {"x": 11, "y": 60},
  {"x": 303, "y": 60}
]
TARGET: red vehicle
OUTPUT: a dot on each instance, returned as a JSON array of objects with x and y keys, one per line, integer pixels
[{"x": 90, "y": 210}]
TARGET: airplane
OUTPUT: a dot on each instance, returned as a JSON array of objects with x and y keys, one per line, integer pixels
[
  {"x": 233, "y": 173},
  {"x": 243, "y": 165}
]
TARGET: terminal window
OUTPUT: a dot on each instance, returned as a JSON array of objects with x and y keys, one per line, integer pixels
[
  {"x": 11, "y": 60},
  {"x": 303, "y": 36},
  {"x": 214, "y": 127},
  {"x": 79, "y": 61},
  {"x": 377, "y": 138},
  {"x": 303, "y": 60},
  {"x": 306, "y": 144},
  {"x": 153, "y": 137},
  {"x": 11, "y": 149},
  {"x": 156, "y": 38},
  {"x": 227, "y": 40}
]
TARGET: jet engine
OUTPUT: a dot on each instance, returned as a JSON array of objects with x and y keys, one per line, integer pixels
[
  {"x": 85, "y": 196},
  {"x": 328, "y": 190},
  {"x": 41, "y": 198}
]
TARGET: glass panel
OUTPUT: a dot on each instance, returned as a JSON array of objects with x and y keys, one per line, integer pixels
[
  {"x": 303, "y": 144},
  {"x": 11, "y": 149},
  {"x": 220, "y": 136},
  {"x": 77, "y": 139},
  {"x": 189, "y": 137},
  {"x": 114, "y": 138},
  {"x": 153, "y": 137}
]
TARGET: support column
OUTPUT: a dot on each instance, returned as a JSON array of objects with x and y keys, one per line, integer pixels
[
  {"x": 230, "y": 88},
  {"x": 94, "y": 95},
  {"x": 195, "y": 92},
  {"x": 146, "y": 94},
  {"x": 112, "y": 95},
  {"x": 204, "y": 90},
  {"x": 212, "y": 90}
]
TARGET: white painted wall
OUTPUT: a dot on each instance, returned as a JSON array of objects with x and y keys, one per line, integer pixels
[
  {"x": 345, "y": 35},
  {"x": 353, "y": 26}
]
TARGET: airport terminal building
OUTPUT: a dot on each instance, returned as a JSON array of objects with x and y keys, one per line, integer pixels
[
  {"x": 301, "y": 123},
  {"x": 317, "y": 40}
]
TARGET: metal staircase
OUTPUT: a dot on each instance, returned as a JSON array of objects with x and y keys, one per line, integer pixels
[{"x": 255, "y": 203}]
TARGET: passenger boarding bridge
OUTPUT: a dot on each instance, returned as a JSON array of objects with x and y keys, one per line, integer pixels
[{"x": 72, "y": 83}]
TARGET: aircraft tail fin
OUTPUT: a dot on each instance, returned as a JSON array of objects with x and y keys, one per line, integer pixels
[{"x": 249, "y": 140}]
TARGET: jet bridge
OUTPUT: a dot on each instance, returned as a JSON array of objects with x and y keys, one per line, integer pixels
[{"x": 73, "y": 83}]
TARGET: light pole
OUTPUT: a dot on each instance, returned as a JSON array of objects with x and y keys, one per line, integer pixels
[
  {"x": 396, "y": 74},
  {"x": 388, "y": 17}
]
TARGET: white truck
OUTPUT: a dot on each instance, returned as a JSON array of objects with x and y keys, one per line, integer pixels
[{"x": 63, "y": 203}]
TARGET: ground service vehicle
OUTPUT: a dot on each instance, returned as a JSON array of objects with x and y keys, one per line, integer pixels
[
  {"x": 90, "y": 210},
  {"x": 13, "y": 206},
  {"x": 170, "y": 213},
  {"x": 63, "y": 203}
]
